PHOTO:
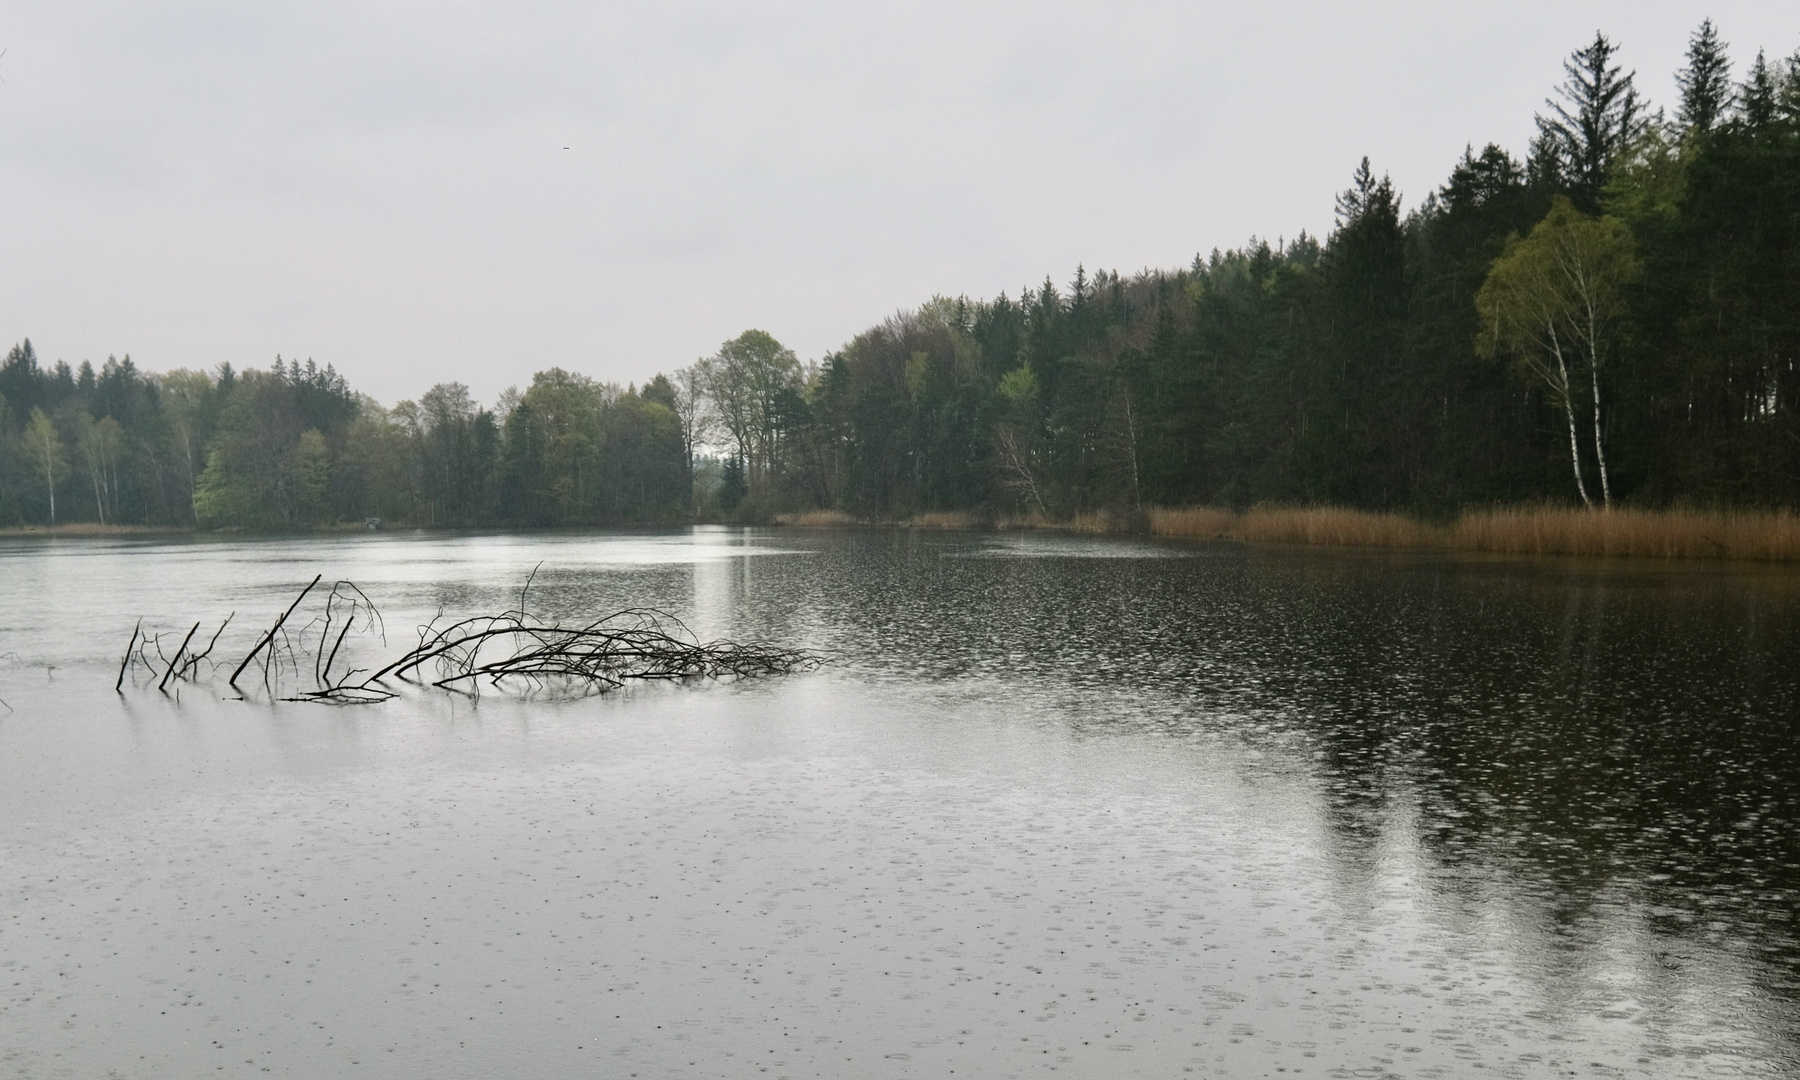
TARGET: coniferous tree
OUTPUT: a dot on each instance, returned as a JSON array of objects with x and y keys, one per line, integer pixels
[
  {"x": 1355, "y": 441},
  {"x": 1705, "y": 83},
  {"x": 1597, "y": 120},
  {"x": 1759, "y": 95}
]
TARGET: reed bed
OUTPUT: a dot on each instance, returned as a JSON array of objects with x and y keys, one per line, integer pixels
[
  {"x": 1333, "y": 525},
  {"x": 816, "y": 519},
  {"x": 1193, "y": 522},
  {"x": 1766, "y": 535},
  {"x": 944, "y": 519},
  {"x": 1771, "y": 536}
]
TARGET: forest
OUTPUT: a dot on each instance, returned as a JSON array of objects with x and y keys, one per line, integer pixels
[{"x": 1612, "y": 318}]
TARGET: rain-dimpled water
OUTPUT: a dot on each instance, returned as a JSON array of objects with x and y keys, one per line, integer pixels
[{"x": 1054, "y": 805}]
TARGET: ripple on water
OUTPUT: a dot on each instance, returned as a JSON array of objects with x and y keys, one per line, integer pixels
[{"x": 1235, "y": 813}]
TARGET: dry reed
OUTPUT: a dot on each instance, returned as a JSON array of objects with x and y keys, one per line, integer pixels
[
  {"x": 816, "y": 519},
  {"x": 1524, "y": 530},
  {"x": 1664, "y": 534},
  {"x": 1332, "y": 525},
  {"x": 943, "y": 519},
  {"x": 1767, "y": 535}
]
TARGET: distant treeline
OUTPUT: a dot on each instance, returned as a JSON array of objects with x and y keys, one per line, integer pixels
[{"x": 1614, "y": 317}]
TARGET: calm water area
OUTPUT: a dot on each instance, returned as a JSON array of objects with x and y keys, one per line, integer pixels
[{"x": 1090, "y": 807}]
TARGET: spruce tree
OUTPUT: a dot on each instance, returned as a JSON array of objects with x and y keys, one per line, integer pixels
[
  {"x": 1598, "y": 118},
  {"x": 1759, "y": 95},
  {"x": 1706, "y": 84},
  {"x": 1788, "y": 100}
]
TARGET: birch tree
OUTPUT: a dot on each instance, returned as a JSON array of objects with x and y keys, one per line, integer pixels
[
  {"x": 1551, "y": 302},
  {"x": 100, "y": 444},
  {"x": 183, "y": 397},
  {"x": 689, "y": 385},
  {"x": 44, "y": 448}
]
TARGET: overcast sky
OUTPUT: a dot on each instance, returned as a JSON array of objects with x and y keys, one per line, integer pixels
[{"x": 424, "y": 192}]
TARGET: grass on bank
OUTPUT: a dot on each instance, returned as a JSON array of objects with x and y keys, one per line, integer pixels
[
  {"x": 92, "y": 528},
  {"x": 1765, "y": 535},
  {"x": 1768, "y": 535}
]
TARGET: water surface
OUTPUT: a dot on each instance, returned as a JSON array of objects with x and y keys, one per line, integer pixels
[{"x": 1095, "y": 807}]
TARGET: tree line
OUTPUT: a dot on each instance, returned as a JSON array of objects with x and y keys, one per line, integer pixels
[{"x": 1614, "y": 316}]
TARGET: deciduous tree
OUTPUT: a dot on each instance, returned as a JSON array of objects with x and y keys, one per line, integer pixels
[{"x": 1552, "y": 301}]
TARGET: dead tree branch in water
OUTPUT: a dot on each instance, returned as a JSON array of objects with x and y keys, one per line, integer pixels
[
  {"x": 164, "y": 685},
  {"x": 633, "y": 644},
  {"x": 344, "y": 594},
  {"x": 193, "y": 664},
  {"x": 125, "y": 661},
  {"x": 268, "y": 639},
  {"x": 514, "y": 649}
]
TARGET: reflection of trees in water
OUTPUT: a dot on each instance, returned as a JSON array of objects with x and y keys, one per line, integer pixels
[
  {"x": 1594, "y": 739},
  {"x": 1605, "y": 752}
]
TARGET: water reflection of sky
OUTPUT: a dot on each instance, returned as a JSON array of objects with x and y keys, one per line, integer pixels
[
  {"x": 1039, "y": 545},
  {"x": 1246, "y": 812}
]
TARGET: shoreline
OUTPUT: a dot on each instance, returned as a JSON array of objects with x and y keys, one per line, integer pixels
[
  {"x": 93, "y": 528},
  {"x": 1734, "y": 535}
]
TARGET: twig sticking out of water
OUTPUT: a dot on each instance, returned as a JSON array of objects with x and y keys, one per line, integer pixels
[
  {"x": 636, "y": 643},
  {"x": 269, "y": 638},
  {"x": 164, "y": 685},
  {"x": 125, "y": 661},
  {"x": 513, "y": 649},
  {"x": 192, "y": 667},
  {"x": 344, "y": 593}
]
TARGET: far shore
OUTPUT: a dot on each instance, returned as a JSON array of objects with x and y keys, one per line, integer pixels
[
  {"x": 1745, "y": 535},
  {"x": 93, "y": 528},
  {"x": 1753, "y": 535}
]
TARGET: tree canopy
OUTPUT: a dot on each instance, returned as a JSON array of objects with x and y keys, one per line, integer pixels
[{"x": 1614, "y": 316}]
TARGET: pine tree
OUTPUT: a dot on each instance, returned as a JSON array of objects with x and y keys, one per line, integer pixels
[
  {"x": 1544, "y": 166},
  {"x": 1706, "y": 84},
  {"x": 1758, "y": 95},
  {"x": 1597, "y": 120},
  {"x": 1787, "y": 101}
]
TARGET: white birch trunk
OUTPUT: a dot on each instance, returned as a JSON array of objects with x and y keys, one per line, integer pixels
[{"x": 1568, "y": 408}]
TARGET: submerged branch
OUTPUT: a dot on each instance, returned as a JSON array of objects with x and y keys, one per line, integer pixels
[
  {"x": 268, "y": 639},
  {"x": 125, "y": 662},
  {"x": 513, "y": 650},
  {"x": 164, "y": 685}
]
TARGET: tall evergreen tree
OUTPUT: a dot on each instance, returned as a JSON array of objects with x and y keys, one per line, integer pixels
[
  {"x": 1354, "y": 444},
  {"x": 1597, "y": 120},
  {"x": 1759, "y": 95},
  {"x": 1705, "y": 83}
]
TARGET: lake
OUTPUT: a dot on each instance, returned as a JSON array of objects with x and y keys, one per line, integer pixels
[{"x": 1092, "y": 807}]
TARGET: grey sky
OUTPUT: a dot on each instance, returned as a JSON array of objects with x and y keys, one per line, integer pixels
[{"x": 385, "y": 187}]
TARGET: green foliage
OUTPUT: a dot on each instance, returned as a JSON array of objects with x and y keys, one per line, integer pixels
[
  {"x": 1705, "y": 83},
  {"x": 1553, "y": 301},
  {"x": 1596, "y": 122},
  {"x": 43, "y": 446},
  {"x": 1019, "y": 386},
  {"x": 1627, "y": 294}
]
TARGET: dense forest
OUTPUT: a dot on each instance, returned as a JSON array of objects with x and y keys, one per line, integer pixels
[{"x": 1613, "y": 317}]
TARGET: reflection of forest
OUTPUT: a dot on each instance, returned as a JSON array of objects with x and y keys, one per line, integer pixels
[
  {"x": 1421, "y": 359},
  {"x": 1591, "y": 765}
]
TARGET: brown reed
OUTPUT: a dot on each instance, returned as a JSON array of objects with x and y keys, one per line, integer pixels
[
  {"x": 1765, "y": 535},
  {"x": 1768, "y": 535},
  {"x": 816, "y": 519}
]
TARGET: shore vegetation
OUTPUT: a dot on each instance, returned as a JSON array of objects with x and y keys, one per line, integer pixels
[{"x": 1558, "y": 349}]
